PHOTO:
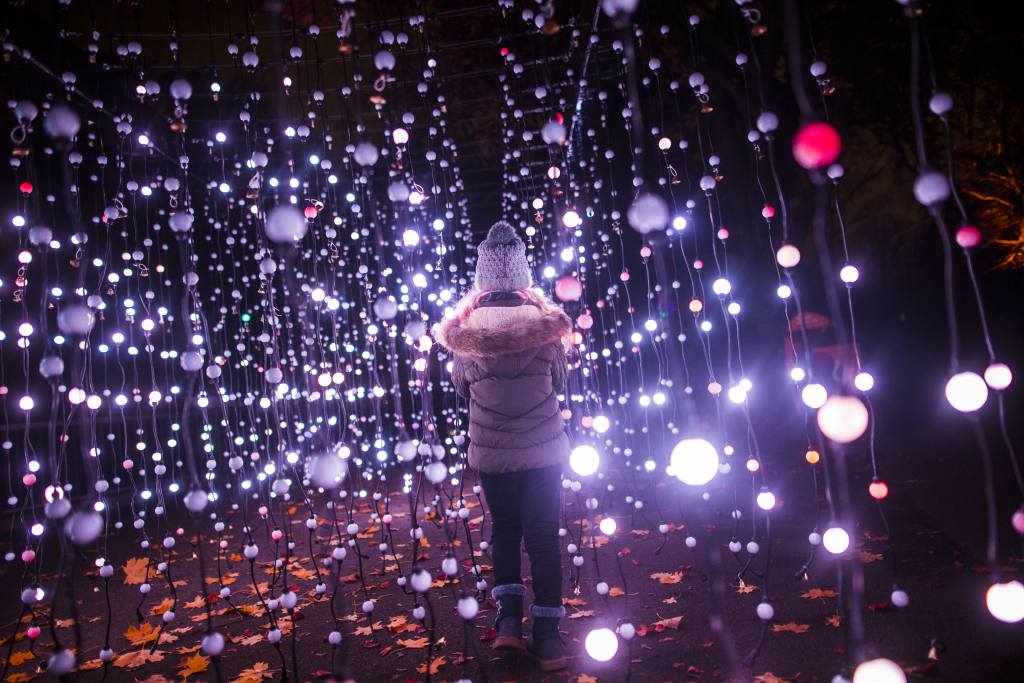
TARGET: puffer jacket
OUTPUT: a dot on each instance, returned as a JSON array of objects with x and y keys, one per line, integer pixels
[{"x": 510, "y": 362}]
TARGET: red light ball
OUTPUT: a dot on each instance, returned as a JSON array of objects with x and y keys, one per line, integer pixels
[
  {"x": 26, "y": 187},
  {"x": 878, "y": 489},
  {"x": 310, "y": 212},
  {"x": 568, "y": 288},
  {"x": 968, "y": 237},
  {"x": 768, "y": 211},
  {"x": 816, "y": 145}
]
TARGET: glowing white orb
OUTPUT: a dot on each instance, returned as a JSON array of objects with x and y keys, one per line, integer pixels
[
  {"x": 366, "y": 154},
  {"x": 721, "y": 286},
  {"x": 608, "y": 526},
  {"x": 1006, "y": 601},
  {"x": 849, "y": 274},
  {"x": 966, "y": 391},
  {"x": 601, "y": 424},
  {"x": 998, "y": 376},
  {"x": 864, "y": 381},
  {"x": 571, "y": 219},
  {"x": 879, "y": 671},
  {"x": 766, "y": 500},
  {"x": 788, "y": 256},
  {"x": 648, "y": 213},
  {"x": 436, "y": 472},
  {"x": 843, "y": 419},
  {"x": 601, "y": 644},
  {"x": 814, "y": 396},
  {"x": 694, "y": 461},
  {"x": 286, "y": 224},
  {"x": 400, "y": 136},
  {"x": 584, "y": 460},
  {"x": 835, "y": 540}
]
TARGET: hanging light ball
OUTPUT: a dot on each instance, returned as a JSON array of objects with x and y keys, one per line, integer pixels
[
  {"x": 366, "y": 154},
  {"x": 62, "y": 122},
  {"x": 843, "y": 419},
  {"x": 931, "y": 188},
  {"x": 836, "y": 540},
  {"x": 816, "y": 145},
  {"x": 1005, "y": 601},
  {"x": 285, "y": 224},
  {"x": 568, "y": 288},
  {"x": 998, "y": 376},
  {"x": 648, "y": 213},
  {"x": 584, "y": 460},
  {"x": 694, "y": 461},
  {"x": 76, "y": 320},
  {"x": 601, "y": 644},
  {"x": 966, "y": 392},
  {"x": 879, "y": 671}
]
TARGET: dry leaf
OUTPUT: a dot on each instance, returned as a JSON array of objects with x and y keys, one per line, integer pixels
[
  {"x": 136, "y": 658},
  {"x": 616, "y": 592},
  {"x": 745, "y": 588},
  {"x": 195, "y": 664},
  {"x": 414, "y": 643},
  {"x": 584, "y": 678},
  {"x": 135, "y": 570},
  {"x": 867, "y": 558},
  {"x": 791, "y": 627},
  {"x": 579, "y": 614},
  {"x": 834, "y": 621},
  {"x": 574, "y": 602},
  {"x": 667, "y": 577},
  {"x": 768, "y": 677},
  {"x": 142, "y": 634},
  {"x": 818, "y": 593},
  {"x": 257, "y": 672},
  {"x": 155, "y": 678},
  {"x": 157, "y": 610},
  {"x": 20, "y": 657},
  {"x": 435, "y": 666},
  {"x": 663, "y": 624}
]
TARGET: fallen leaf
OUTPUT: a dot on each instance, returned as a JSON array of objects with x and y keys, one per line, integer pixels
[
  {"x": 791, "y": 627},
  {"x": 435, "y": 666},
  {"x": 579, "y": 614},
  {"x": 157, "y": 610},
  {"x": 663, "y": 624},
  {"x": 670, "y": 601},
  {"x": 574, "y": 602},
  {"x": 818, "y": 594},
  {"x": 195, "y": 664},
  {"x": 616, "y": 592},
  {"x": 768, "y": 677},
  {"x": 142, "y": 634},
  {"x": 667, "y": 577},
  {"x": 135, "y": 570},
  {"x": 136, "y": 658},
  {"x": 257, "y": 672},
  {"x": 414, "y": 643},
  {"x": 584, "y": 678},
  {"x": 18, "y": 678},
  {"x": 867, "y": 558},
  {"x": 20, "y": 657},
  {"x": 834, "y": 621},
  {"x": 744, "y": 588}
]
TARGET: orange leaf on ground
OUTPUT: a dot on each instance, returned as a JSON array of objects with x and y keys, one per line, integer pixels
[
  {"x": 142, "y": 634},
  {"x": 616, "y": 592},
  {"x": 663, "y": 624},
  {"x": 768, "y": 677},
  {"x": 667, "y": 577},
  {"x": 791, "y": 627},
  {"x": 818, "y": 593},
  {"x": 414, "y": 643},
  {"x": 435, "y": 666},
  {"x": 196, "y": 664},
  {"x": 257, "y": 672},
  {"x": 745, "y": 588},
  {"x": 834, "y": 621},
  {"x": 20, "y": 657},
  {"x": 135, "y": 570},
  {"x": 136, "y": 658},
  {"x": 157, "y": 610},
  {"x": 579, "y": 614}
]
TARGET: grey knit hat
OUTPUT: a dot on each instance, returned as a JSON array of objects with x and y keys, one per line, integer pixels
[{"x": 501, "y": 260}]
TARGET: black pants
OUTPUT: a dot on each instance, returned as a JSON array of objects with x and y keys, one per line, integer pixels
[{"x": 525, "y": 506}]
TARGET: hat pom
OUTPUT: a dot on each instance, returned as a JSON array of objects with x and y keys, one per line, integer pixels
[{"x": 502, "y": 233}]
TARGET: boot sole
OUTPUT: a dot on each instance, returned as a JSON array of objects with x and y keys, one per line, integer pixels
[
  {"x": 508, "y": 644},
  {"x": 551, "y": 664}
]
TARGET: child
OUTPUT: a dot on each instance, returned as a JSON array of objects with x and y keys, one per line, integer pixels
[{"x": 508, "y": 342}]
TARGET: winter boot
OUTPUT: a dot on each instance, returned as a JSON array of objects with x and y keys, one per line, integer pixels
[
  {"x": 545, "y": 644},
  {"x": 509, "y": 623}
]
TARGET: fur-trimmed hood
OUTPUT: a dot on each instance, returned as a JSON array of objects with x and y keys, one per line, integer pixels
[{"x": 491, "y": 331}]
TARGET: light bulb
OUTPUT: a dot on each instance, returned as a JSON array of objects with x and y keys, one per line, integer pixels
[
  {"x": 694, "y": 461},
  {"x": 602, "y": 644},
  {"x": 584, "y": 460}
]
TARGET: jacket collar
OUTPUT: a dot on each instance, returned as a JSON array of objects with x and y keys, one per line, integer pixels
[{"x": 490, "y": 331}]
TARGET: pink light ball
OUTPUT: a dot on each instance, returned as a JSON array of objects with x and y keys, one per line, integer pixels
[
  {"x": 568, "y": 288},
  {"x": 968, "y": 237},
  {"x": 585, "y": 321},
  {"x": 29, "y": 479},
  {"x": 28, "y": 555},
  {"x": 816, "y": 145},
  {"x": 32, "y": 632}
]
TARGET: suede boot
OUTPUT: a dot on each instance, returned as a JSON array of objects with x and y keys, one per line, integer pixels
[
  {"x": 509, "y": 622},
  {"x": 545, "y": 644}
]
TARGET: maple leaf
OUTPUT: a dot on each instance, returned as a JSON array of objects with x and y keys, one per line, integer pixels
[
  {"x": 142, "y": 634},
  {"x": 667, "y": 577},
  {"x": 20, "y": 657},
  {"x": 744, "y": 588},
  {"x": 135, "y": 570},
  {"x": 157, "y": 610},
  {"x": 834, "y": 621},
  {"x": 791, "y": 627},
  {"x": 90, "y": 664},
  {"x": 195, "y": 664},
  {"x": 136, "y": 658},
  {"x": 155, "y": 678},
  {"x": 198, "y": 603},
  {"x": 616, "y": 592},
  {"x": 768, "y": 677},
  {"x": 435, "y": 666},
  {"x": 663, "y": 624},
  {"x": 579, "y": 614},
  {"x": 18, "y": 678},
  {"x": 257, "y": 672},
  {"x": 414, "y": 643},
  {"x": 574, "y": 602},
  {"x": 818, "y": 594},
  {"x": 247, "y": 641},
  {"x": 867, "y": 558}
]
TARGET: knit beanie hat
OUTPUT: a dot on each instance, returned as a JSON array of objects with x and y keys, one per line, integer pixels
[{"x": 501, "y": 260}]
